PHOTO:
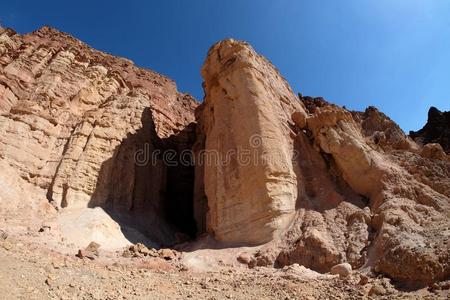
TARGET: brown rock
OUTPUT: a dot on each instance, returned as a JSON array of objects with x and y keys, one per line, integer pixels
[
  {"x": 299, "y": 119},
  {"x": 343, "y": 270},
  {"x": 86, "y": 254},
  {"x": 436, "y": 130},
  {"x": 244, "y": 258},
  {"x": 433, "y": 151},
  {"x": 167, "y": 254},
  {"x": 363, "y": 279},
  {"x": 377, "y": 290},
  {"x": 127, "y": 253},
  {"x": 7, "y": 245},
  {"x": 93, "y": 247},
  {"x": 317, "y": 184},
  {"x": 3, "y": 235},
  {"x": 247, "y": 108}
]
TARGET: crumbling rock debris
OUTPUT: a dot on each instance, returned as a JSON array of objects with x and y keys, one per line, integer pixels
[{"x": 140, "y": 250}]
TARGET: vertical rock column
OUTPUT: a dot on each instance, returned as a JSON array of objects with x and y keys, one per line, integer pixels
[{"x": 248, "y": 174}]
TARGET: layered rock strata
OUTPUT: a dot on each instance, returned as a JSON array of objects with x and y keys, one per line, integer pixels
[
  {"x": 313, "y": 183},
  {"x": 328, "y": 186},
  {"x": 73, "y": 118},
  {"x": 250, "y": 183}
]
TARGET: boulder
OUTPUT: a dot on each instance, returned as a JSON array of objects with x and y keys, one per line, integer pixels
[{"x": 343, "y": 270}]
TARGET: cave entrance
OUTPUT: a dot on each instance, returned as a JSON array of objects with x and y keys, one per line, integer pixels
[
  {"x": 150, "y": 197},
  {"x": 179, "y": 202}
]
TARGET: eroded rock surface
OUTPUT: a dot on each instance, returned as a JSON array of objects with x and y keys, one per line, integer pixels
[
  {"x": 251, "y": 185},
  {"x": 72, "y": 119},
  {"x": 335, "y": 186},
  {"x": 307, "y": 181},
  {"x": 436, "y": 130}
]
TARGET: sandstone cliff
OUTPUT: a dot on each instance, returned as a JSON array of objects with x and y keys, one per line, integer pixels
[
  {"x": 72, "y": 119},
  {"x": 304, "y": 180},
  {"x": 325, "y": 185}
]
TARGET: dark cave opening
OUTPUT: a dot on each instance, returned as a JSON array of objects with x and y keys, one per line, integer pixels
[
  {"x": 150, "y": 197},
  {"x": 178, "y": 207}
]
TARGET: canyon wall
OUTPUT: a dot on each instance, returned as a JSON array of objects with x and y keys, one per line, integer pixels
[
  {"x": 325, "y": 185},
  {"x": 73, "y": 118},
  {"x": 307, "y": 181}
]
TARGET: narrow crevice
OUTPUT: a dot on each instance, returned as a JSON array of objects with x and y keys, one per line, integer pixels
[{"x": 55, "y": 174}]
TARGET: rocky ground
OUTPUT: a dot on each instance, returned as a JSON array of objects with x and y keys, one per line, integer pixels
[{"x": 29, "y": 270}]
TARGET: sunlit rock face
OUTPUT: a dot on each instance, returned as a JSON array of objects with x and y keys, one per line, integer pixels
[
  {"x": 329, "y": 185},
  {"x": 246, "y": 119},
  {"x": 72, "y": 119},
  {"x": 310, "y": 182}
]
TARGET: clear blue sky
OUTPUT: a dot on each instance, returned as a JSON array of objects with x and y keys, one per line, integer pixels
[{"x": 394, "y": 54}]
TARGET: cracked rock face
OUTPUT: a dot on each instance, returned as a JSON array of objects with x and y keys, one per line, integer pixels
[
  {"x": 72, "y": 119},
  {"x": 357, "y": 190},
  {"x": 246, "y": 110}
]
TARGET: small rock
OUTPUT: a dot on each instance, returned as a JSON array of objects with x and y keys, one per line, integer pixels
[
  {"x": 127, "y": 253},
  {"x": 93, "y": 247},
  {"x": 167, "y": 254},
  {"x": 51, "y": 279},
  {"x": 3, "y": 235},
  {"x": 377, "y": 290},
  {"x": 363, "y": 279},
  {"x": 7, "y": 246},
  {"x": 57, "y": 264},
  {"x": 299, "y": 119},
  {"x": 91, "y": 251},
  {"x": 86, "y": 254},
  {"x": 45, "y": 227},
  {"x": 244, "y": 258},
  {"x": 343, "y": 270}
]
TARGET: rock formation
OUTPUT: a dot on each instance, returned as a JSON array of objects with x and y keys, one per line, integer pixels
[
  {"x": 244, "y": 120},
  {"x": 306, "y": 181},
  {"x": 325, "y": 185},
  {"x": 73, "y": 118},
  {"x": 437, "y": 129}
]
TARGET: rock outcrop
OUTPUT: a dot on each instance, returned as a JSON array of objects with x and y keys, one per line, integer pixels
[
  {"x": 307, "y": 181},
  {"x": 436, "y": 130},
  {"x": 325, "y": 186},
  {"x": 249, "y": 178},
  {"x": 73, "y": 118}
]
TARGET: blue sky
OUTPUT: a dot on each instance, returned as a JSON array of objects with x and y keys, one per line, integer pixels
[{"x": 394, "y": 54}]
